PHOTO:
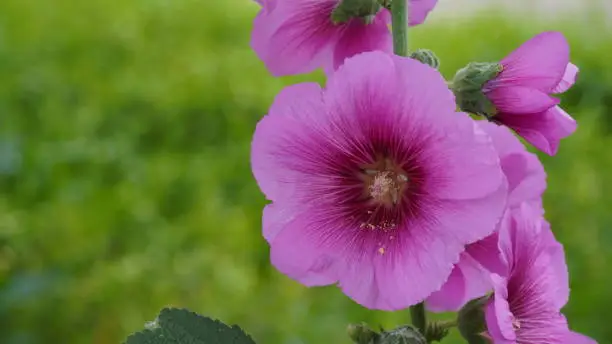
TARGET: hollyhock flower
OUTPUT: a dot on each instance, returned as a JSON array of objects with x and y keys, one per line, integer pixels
[
  {"x": 525, "y": 307},
  {"x": 526, "y": 183},
  {"x": 298, "y": 36},
  {"x": 377, "y": 183},
  {"x": 521, "y": 92}
]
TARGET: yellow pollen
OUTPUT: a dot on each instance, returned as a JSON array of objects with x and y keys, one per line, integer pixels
[
  {"x": 382, "y": 186},
  {"x": 385, "y": 187},
  {"x": 381, "y": 250}
]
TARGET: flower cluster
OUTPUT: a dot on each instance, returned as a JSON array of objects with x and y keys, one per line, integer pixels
[{"x": 378, "y": 185}]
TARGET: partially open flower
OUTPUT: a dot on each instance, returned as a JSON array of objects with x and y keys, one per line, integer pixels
[
  {"x": 521, "y": 92},
  {"x": 517, "y": 91},
  {"x": 525, "y": 308},
  {"x": 299, "y": 36},
  {"x": 377, "y": 183}
]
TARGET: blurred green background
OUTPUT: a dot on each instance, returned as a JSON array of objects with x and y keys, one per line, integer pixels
[{"x": 125, "y": 180}]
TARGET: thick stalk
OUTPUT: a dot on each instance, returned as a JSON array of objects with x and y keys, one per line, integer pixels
[
  {"x": 417, "y": 315},
  {"x": 399, "y": 27}
]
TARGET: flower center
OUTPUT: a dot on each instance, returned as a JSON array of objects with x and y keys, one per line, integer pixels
[
  {"x": 385, "y": 187},
  {"x": 384, "y": 182}
]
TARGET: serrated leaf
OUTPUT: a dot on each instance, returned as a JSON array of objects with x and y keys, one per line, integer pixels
[
  {"x": 181, "y": 326},
  {"x": 148, "y": 337}
]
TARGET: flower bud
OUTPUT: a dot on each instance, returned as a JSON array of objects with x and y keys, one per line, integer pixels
[
  {"x": 427, "y": 57},
  {"x": 402, "y": 335},
  {"x": 349, "y": 9},
  {"x": 362, "y": 334},
  {"x": 467, "y": 86},
  {"x": 471, "y": 321}
]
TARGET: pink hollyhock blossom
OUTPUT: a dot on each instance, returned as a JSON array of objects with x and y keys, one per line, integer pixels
[
  {"x": 377, "y": 183},
  {"x": 526, "y": 183},
  {"x": 418, "y": 10},
  {"x": 298, "y": 36},
  {"x": 525, "y": 308},
  {"x": 521, "y": 93}
]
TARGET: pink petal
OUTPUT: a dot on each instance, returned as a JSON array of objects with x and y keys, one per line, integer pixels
[
  {"x": 577, "y": 338},
  {"x": 526, "y": 177},
  {"x": 486, "y": 253},
  {"x": 543, "y": 130},
  {"x": 468, "y": 281},
  {"x": 393, "y": 84},
  {"x": 524, "y": 171},
  {"x": 295, "y": 36},
  {"x": 539, "y": 63},
  {"x": 299, "y": 251},
  {"x": 518, "y": 100},
  {"x": 275, "y": 218},
  {"x": 452, "y": 294},
  {"x": 505, "y": 236},
  {"x": 411, "y": 267},
  {"x": 569, "y": 78},
  {"x": 504, "y": 140},
  {"x": 471, "y": 220},
  {"x": 359, "y": 37},
  {"x": 418, "y": 10},
  {"x": 530, "y": 247},
  {"x": 361, "y": 83},
  {"x": 558, "y": 266},
  {"x": 498, "y": 315},
  {"x": 469, "y": 168},
  {"x": 297, "y": 102}
]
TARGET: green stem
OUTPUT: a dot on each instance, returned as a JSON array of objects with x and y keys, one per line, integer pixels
[
  {"x": 417, "y": 314},
  {"x": 399, "y": 27}
]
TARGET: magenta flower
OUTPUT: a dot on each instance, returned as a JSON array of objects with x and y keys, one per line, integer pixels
[
  {"x": 526, "y": 183},
  {"x": 377, "y": 183},
  {"x": 298, "y": 36},
  {"x": 521, "y": 93},
  {"x": 525, "y": 308}
]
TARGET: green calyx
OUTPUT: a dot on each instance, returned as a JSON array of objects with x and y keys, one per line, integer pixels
[
  {"x": 362, "y": 334},
  {"x": 427, "y": 57},
  {"x": 467, "y": 86},
  {"x": 471, "y": 321},
  {"x": 346, "y": 10}
]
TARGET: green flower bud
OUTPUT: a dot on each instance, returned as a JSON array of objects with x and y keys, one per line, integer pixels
[
  {"x": 471, "y": 321},
  {"x": 436, "y": 331},
  {"x": 427, "y": 57},
  {"x": 349, "y": 9},
  {"x": 362, "y": 334},
  {"x": 467, "y": 86},
  {"x": 402, "y": 335}
]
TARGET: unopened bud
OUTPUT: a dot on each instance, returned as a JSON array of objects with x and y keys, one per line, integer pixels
[
  {"x": 467, "y": 86},
  {"x": 427, "y": 57},
  {"x": 402, "y": 335},
  {"x": 471, "y": 321},
  {"x": 436, "y": 331},
  {"x": 362, "y": 334},
  {"x": 346, "y": 10}
]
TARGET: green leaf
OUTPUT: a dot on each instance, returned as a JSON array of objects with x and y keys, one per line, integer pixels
[
  {"x": 180, "y": 326},
  {"x": 148, "y": 337}
]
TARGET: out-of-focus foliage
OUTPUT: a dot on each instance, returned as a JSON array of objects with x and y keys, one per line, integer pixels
[{"x": 126, "y": 187}]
